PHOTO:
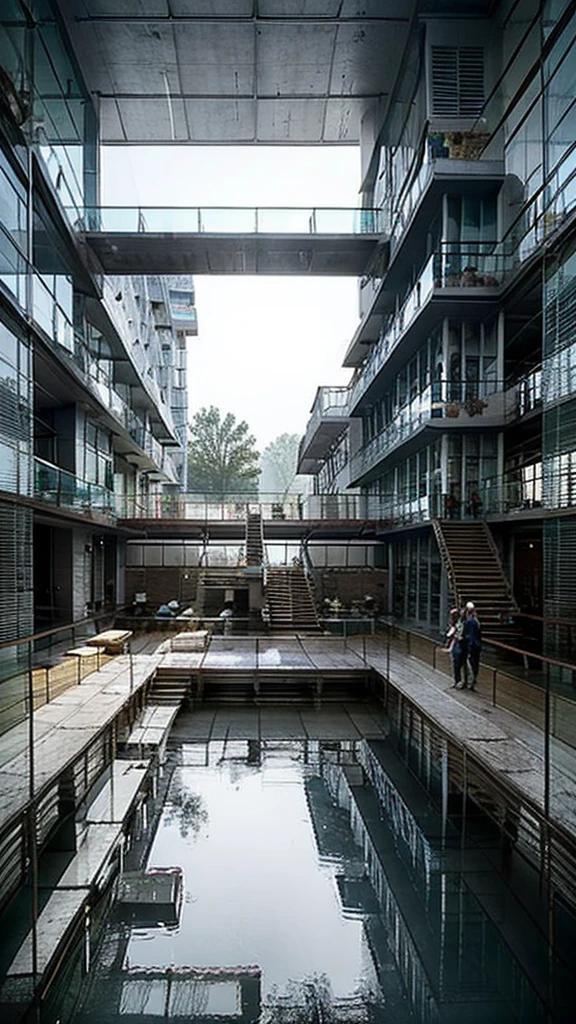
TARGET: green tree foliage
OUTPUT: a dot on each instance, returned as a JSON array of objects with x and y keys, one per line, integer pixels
[
  {"x": 222, "y": 458},
  {"x": 278, "y": 462}
]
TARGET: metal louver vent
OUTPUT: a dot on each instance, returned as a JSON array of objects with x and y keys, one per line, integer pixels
[{"x": 457, "y": 81}]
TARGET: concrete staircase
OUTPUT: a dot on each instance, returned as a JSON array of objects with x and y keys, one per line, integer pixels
[
  {"x": 476, "y": 574},
  {"x": 254, "y": 544},
  {"x": 216, "y": 578},
  {"x": 169, "y": 688},
  {"x": 289, "y": 601}
]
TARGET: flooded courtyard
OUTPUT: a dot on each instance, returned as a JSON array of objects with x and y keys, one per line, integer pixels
[{"x": 320, "y": 883}]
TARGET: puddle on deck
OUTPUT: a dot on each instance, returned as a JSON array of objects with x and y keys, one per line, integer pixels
[{"x": 315, "y": 890}]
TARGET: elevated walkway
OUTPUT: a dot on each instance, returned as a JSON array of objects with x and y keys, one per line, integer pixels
[{"x": 218, "y": 240}]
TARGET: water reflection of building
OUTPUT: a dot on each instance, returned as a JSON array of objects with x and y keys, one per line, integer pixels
[
  {"x": 419, "y": 896},
  {"x": 199, "y": 994}
]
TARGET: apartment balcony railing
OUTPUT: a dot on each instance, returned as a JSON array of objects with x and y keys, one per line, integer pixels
[
  {"x": 33, "y": 294},
  {"x": 329, "y": 416},
  {"x": 56, "y": 486},
  {"x": 226, "y": 220},
  {"x": 396, "y": 511},
  {"x": 393, "y": 331},
  {"x": 444, "y": 405},
  {"x": 234, "y": 508},
  {"x": 457, "y": 154},
  {"x": 475, "y": 270}
]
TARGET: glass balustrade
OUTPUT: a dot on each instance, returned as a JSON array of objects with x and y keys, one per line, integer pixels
[
  {"x": 56, "y": 486},
  {"x": 447, "y": 401},
  {"x": 230, "y": 220},
  {"x": 394, "y": 330}
]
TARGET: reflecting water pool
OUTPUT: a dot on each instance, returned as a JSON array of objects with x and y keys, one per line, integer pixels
[{"x": 319, "y": 883}]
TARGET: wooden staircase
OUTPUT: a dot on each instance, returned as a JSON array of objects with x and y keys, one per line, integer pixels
[
  {"x": 290, "y": 602},
  {"x": 254, "y": 543},
  {"x": 475, "y": 573}
]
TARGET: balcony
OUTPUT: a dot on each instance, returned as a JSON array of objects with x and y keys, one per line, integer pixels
[
  {"x": 453, "y": 273},
  {"x": 446, "y": 406},
  {"x": 55, "y": 486},
  {"x": 451, "y": 160},
  {"x": 329, "y": 417},
  {"x": 407, "y": 226}
]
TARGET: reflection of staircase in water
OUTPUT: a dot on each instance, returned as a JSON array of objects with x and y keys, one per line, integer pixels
[
  {"x": 475, "y": 573},
  {"x": 289, "y": 601}
]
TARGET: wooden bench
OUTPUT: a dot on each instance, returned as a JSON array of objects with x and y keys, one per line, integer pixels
[{"x": 112, "y": 640}]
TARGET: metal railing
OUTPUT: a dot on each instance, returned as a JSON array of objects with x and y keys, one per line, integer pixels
[
  {"x": 249, "y": 220},
  {"x": 445, "y": 400},
  {"x": 235, "y": 508},
  {"x": 34, "y": 670},
  {"x": 56, "y": 486}
]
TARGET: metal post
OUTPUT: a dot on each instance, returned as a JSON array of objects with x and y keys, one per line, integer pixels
[
  {"x": 130, "y": 656},
  {"x": 31, "y": 816},
  {"x": 494, "y": 675},
  {"x": 547, "y": 748}
]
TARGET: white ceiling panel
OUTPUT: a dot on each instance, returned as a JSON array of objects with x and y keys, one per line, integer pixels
[
  {"x": 400, "y": 9},
  {"x": 214, "y": 61},
  {"x": 295, "y": 121},
  {"x": 117, "y": 8},
  {"x": 366, "y": 59},
  {"x": 212, "y": 8},
  {"x": 148, "y": 119},
  {"x": 342, "y": 120},
  {"x": 145, "y": 45},
  {"x": 298, "y": 8},
  {"x": 110, "y": 123},
  {"x": 212, "y": 120}
]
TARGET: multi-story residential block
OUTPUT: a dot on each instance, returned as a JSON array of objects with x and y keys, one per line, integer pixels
[
  {"x": 461, "y": 403},
  {"x": 92, "y": 368}
]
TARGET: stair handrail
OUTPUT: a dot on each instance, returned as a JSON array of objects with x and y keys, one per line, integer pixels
[
  {"x": 310, "y": 576},
  {"x": 494, "y": 548},
  {"x": 447, "y": 559}
]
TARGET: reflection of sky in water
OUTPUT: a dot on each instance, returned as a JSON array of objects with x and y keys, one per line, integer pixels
[{"x": 255, "y": 891}]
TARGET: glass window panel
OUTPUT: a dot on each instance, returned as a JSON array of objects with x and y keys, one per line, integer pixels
[
  {"x": 134, "y": 555},
  {"x": 173, "y": 554},
  {"x": 336, "y": 555},
  {"x": 357, "y": 555},
  {"x": 152, "y": 554}
]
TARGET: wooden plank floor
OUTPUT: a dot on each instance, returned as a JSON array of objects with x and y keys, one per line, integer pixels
[
  {"x": 499, "y": 739},
  {"x": 63, "y": 728}
]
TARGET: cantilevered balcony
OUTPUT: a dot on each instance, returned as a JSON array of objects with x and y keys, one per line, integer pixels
[
  {"x": 456, "y": 280},
  {"x": 408, "y": 224},
  {"x": 445, "y": 406},
  {"x": 57, "y": 487},
  {"x": 329, "y": 417}
]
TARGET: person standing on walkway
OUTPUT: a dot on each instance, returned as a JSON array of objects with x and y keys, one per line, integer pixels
[
  {"x": 473, "y": 642},
  {"x": 459, "y": 653}
]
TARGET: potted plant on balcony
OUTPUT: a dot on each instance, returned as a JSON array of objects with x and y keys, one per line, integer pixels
[{"x": 452, "y": 409}]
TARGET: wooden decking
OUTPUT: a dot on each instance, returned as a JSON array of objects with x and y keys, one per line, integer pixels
[
  {"x": 64, "y": 728},
  {"x": 505, "y": 743}
]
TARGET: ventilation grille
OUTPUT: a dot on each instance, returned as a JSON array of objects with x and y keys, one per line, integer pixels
[{"x": 457, "y": 81}]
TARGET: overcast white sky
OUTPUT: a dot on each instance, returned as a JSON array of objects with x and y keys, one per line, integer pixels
[{"x": 265, "y": 343}]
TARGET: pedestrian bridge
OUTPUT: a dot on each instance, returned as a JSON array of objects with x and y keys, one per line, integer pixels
[{"x": 233, "y": 240}]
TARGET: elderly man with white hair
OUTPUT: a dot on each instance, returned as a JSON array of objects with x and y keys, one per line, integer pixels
[{"x": 473, "y": 642}]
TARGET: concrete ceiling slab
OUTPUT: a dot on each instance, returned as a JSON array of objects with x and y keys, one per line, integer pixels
[{"x": 237, "y": 71}]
